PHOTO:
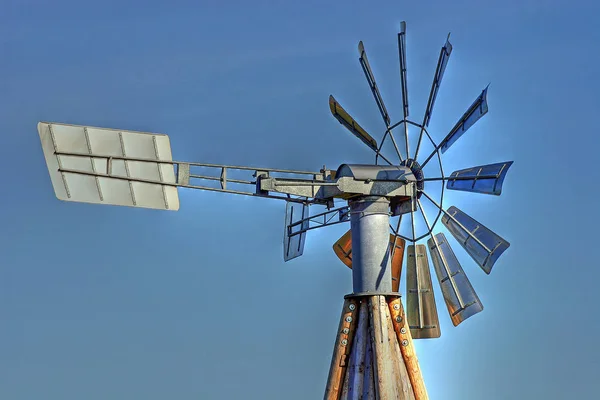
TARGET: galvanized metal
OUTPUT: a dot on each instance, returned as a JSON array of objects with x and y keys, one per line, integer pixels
[
  {"x": 402, "y": 60},
  {"x": 371, "y": 172},
  {"x": 416, "y": 203},
  {"x": 422, "y": 313},
  {"x": 327, "y": 218},
  {"x": 459, "y": 295},
  {"x": 294, "y": 235},
  {"x": 77, "y": 174},
  {"x": 364, "y": 63},
  {"x": 342, "y": 188},
  {"x": 486, "y": 179},
  {"x": 435, "y": 87},
  {"x": 482, "y": 244},
  {"x": 403, "y": 83},
  {"x": 371, "y": 270},
  {"x": 477, "y": 110}
]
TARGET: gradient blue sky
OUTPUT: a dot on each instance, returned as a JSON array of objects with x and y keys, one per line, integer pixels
[{"x": 119, "y": 303}]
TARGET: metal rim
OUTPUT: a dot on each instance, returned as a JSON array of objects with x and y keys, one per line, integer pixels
[{"x": 414, "y": 238}]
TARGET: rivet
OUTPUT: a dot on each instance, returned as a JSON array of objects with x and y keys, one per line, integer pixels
[
  {"x": 346, "y": 331},
  {"x": 396, "y": 306},
  {"x": 398, "y": 319},
  {"x": 405, "y": 342},
  {"x": 351, "y": 307},
  {"x": 348, "y": 319},
  {"x": 403, "y": 330},
  {"x": 344, "y": 342}
]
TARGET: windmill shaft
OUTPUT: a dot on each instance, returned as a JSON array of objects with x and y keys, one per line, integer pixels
[{"x": 371, "y": 270}]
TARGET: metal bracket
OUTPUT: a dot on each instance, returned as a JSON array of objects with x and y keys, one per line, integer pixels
[{"x": 326, "y": 218}]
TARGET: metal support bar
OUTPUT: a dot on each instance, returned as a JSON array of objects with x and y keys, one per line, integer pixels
[
  {"x": 462, "y": 178},
  {"x": 193, "y": 164},
  {"x": 321, "y": 220},
  {"x": 285, "y": 197},
  {"x": 430, "y": 155},
  {"x": 222, "y": 179}
]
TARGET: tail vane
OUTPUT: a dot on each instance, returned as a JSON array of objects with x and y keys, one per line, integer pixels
[{"x": 108, "y": 166}]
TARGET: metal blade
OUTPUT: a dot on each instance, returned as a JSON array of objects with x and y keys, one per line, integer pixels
[
  {"x": 483, "y": 245},
  {"x": 485, "y": 179},
  {"x": 420, "y": 304},
  {"x": 397, "y": 245},
  {"x": 343, "y": 249},
  {"x": 459, "y": 295},
  {"x": 437, "y": 79},
  {"x": 402, "y": 56},
  {"x": 435, "y": 87},
  {"x": 345, "y": 119},
  {"x": 293, "y": 242},
  {"x": 364, "y": 63},
  {"x": 477, "y": 110}
]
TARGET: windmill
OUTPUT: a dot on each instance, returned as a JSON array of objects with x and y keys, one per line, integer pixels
[{"x": 373, "y": 355}]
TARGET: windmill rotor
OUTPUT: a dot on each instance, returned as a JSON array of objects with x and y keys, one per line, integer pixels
[{"x": 482, "y": 244}]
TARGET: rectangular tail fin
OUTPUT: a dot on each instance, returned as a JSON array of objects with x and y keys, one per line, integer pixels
[
  {"x": 109, "y": 166},
  {"x": 296, "y": 224}
]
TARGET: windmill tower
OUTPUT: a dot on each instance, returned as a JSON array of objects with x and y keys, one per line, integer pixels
[{"x": 373, "y": 355}]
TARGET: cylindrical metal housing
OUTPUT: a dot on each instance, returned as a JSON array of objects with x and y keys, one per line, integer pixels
[{"x": 371, "y": 269}]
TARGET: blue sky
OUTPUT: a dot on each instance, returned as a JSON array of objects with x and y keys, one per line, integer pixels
[{"x": 107, "y": 302}]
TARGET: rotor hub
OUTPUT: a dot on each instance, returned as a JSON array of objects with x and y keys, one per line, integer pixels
[{"x": 417, "y": 171}]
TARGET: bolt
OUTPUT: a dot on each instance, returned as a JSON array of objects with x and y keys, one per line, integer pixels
[
  {"x": 396, "y": 306},
  {"x": 346, "y": 331},
  {"x": 348, "y": 319},
  {"x": 351, "y": 307},
  {"x": 398, "y": 319},
  {"x": 403, "y": 330},
  {"x": 405, "y": 342},
  {"x": 344, "y": 342}
]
